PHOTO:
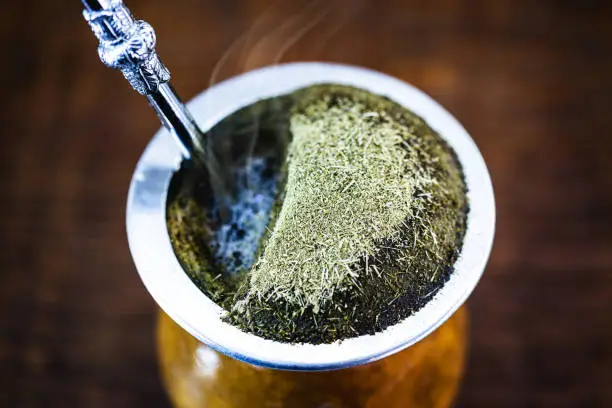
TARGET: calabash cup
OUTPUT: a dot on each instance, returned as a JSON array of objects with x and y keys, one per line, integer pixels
[{"x": 184, "y": 303}]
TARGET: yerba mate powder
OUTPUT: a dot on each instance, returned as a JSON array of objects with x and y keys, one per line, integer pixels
[{"x": 368, "y": 217}]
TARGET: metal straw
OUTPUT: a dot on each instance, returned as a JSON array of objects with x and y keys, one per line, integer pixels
[{"x": 129, "y": 45}]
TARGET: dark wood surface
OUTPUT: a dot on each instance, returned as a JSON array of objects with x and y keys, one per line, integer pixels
[{"x": 531, "y": 81}]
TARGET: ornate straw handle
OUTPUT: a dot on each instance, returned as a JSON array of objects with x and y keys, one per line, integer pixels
[
  {"x": 126, "y": 44},
  {"x": 129, "y": 45}
]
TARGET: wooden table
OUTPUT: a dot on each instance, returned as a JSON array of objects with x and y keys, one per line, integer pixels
[{"x": 531, "y": 81}]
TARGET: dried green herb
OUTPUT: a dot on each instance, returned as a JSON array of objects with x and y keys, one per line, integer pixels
[{"x": 368, "y": 217}]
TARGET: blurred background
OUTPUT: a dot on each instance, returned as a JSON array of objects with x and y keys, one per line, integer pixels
[{"x": 530, "y": 80}]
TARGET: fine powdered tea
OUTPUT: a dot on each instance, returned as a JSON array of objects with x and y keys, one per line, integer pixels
[{"x": 347, "y": 214}]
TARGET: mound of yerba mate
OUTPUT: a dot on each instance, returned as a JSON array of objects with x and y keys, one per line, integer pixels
[{"x": 346, "y": 214}]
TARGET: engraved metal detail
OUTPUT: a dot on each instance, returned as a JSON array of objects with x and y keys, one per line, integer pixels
[{"x": 128, "y": 45}]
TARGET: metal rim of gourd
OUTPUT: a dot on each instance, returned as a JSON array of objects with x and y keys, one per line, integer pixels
[{"x": 180, "y": 299}]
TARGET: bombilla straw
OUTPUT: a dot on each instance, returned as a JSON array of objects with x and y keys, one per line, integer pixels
[{"x": 129, "y": 45}]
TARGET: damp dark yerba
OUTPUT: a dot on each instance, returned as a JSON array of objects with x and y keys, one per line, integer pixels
[{"x": 346, "y": 215}]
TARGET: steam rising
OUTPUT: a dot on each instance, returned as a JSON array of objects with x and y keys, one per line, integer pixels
[{"x": 272, "y": 34}]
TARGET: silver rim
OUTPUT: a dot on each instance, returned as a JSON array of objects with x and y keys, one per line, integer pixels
[{"x": 191, "y": 309}]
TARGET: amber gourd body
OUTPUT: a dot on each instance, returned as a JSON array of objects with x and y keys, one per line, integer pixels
[{"x": 424, "y": 375}]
